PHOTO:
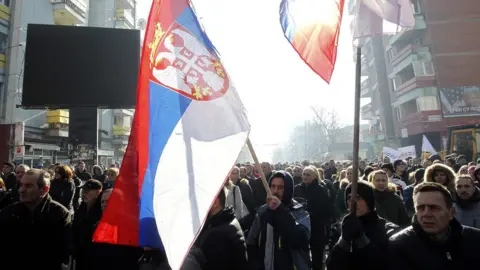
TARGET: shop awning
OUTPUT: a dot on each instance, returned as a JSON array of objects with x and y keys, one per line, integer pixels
[{"x": 44, "y": 146}]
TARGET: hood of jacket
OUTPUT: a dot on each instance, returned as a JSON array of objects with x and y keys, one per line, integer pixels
[
  {"x": 289, "y": 186},
  {"x": 96, "y": 167},
  {"x": 430, "y": 173}
]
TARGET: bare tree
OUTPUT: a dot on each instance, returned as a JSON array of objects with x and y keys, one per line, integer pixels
[{"x": 328, "y": 121}]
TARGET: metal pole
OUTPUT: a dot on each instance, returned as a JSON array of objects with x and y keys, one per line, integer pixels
[{"x": 356, "y": 130}]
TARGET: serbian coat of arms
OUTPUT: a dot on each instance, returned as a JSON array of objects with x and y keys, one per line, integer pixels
[{"x": 180, "y": 62}]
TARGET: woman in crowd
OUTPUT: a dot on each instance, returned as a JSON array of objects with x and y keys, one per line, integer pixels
[
  {"x": 112, "y": 174},
  {"x": 62, "y": 188},
  {"x": 442, "y": 174},
  {"x": 234, "y": 198},
  {"x": 387, "y": 203},
  {"x": 97, "y": 173}
]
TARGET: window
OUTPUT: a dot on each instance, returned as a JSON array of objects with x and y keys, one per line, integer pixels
[
  {"x": 423, "y": 68},
  {"x": 5, "y": 2},
  {"x": 417, "y": 7},
  {"x": 392, "y": 53},
  {"x": 428, "y": 103}
]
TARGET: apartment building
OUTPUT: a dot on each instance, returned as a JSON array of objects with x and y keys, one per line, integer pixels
[
  {"x": 431, "y": 71},
  {"x": 435, "y": 69},
  {"x": 376, "y": 90}
]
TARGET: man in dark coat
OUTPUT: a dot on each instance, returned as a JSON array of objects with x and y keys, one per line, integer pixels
[
  {"x": 81, "y": 172},
  {"x": 36, "y": 225},
  {"x": 320, "y": 209},
  {"x": 259, "y": 192},
  {"x": 8, "y": 175},
  {"x": 279, "y": 236},
  {"x": 364, "y": 240},
  {"x": 85, "y": 221},
  {"x": 436, "y": 240},
  {"x": 221, "y": 240}
]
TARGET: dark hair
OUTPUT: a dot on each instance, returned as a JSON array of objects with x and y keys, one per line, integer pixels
[
  {"x": 435, "y": 187},
  {"x": 222, "y": 196},
  {"x": 388, "y": 166},
  {"x": 64, "y": 171},
  {"x": 419, "y": 174},
  {"x": 451, "y": 160}
]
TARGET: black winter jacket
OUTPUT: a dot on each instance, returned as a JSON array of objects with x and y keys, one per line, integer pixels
[
  {"x": 222, "y": 243},
  {"x": 320, "y": 208},
  {"x": 63, "y": 192},
  {"x": 45, "y": 234},
  {"x": 414, "y": 249},
  {"x": 373, "y": 255},
  {"x": 84, "y": 224}
]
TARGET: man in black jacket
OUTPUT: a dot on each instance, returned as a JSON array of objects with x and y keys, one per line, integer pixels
[
  {"x": 320, "y": 209},
  {"x": 221, "y": 240},
  {"x": 364, "y": 240},
  {"x": 279, "y": 236},
  {"x": 8, "y": 175},
  {"x": 436, "y": 240},
  {"x": 85, "y": 221},
  {"x": 81, "y": 172},
  {"x": 36, "y": 225}
]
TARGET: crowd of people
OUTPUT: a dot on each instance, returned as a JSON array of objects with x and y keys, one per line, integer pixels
[{"x": 407, "y": 216}]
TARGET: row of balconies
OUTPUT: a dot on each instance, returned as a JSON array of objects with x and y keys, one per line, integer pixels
[
  {"x": 74, "y": 12},
  {"x": 58, "y": 121}
]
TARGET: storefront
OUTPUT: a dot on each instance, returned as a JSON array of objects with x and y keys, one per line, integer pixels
[{"x": 38, "y": 154}]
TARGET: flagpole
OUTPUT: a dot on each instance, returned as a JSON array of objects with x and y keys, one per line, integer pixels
[
  {"x": 356, "y": 130},
  {"x": 259, "y": 168}
]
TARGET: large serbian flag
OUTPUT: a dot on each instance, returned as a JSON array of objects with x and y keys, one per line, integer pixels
[
  {"x": 313, "y": 28},
  {"x": 188, "y": 130}
]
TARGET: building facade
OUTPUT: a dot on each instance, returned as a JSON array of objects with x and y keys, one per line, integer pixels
[
  {"x": 46, "y": 131},
  {"x": 376, "y": 90},
  {"x": 432, "y": 75},
  {"x": 435, "y": 68}
]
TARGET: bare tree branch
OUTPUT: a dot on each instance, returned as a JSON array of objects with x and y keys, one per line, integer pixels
[{"x": 329, "y": 122}]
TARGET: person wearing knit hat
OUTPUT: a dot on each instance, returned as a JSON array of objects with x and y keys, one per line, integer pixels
[{"x": 364, "y": 237}]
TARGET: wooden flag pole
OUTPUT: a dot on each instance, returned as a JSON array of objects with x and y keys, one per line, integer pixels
[
  {"x": 259, "y": 168},
  {"x": 356, "y": 130}
]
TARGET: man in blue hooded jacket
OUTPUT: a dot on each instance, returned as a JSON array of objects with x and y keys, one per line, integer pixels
[{"x": 279, "y": 236}]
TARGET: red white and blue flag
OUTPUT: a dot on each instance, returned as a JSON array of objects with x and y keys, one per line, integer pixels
[
  {"x": 313, "y": 29},
  {"x": 189, "y": 128}
]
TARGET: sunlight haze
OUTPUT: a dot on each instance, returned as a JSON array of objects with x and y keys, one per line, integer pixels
[{"x": 277, "y": 88}]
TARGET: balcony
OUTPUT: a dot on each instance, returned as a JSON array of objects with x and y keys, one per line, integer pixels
[
  {"x": 120, "y": 140},
  {"x": 69, "y": 12},
  {"x": 4, "y": 13},
  {"x": 58, "y": 117},
  {"x": 422, "y": 122},
  {"x": 124, "y": 19},
  {"x": 125, "y": 4},
  {"x": 420, "y": 24},
  {"x": 121, "y": 131},
  {"x": 414, "y": 83},
  {"x": 3, "y": 60},
  {"x": 122, "y": 112},
  {"x": 408, "y": 50},
  {"x": 366, "y": 112},
  {"x": 366, "y": 88},
  {"x": 57, "y": 132},
  {"x": 421, "y": 61}
]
